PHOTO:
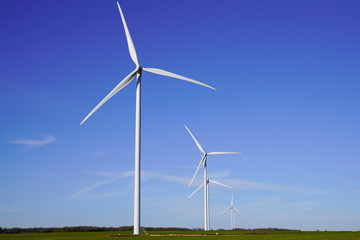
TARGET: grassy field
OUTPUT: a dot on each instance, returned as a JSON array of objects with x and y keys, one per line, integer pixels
[{"x": 155, "y": 235}]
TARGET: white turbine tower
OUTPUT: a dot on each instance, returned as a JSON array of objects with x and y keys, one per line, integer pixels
[
  {"x": 232, "y": 210},
  {"x": 206, "y": 180},
  {"x": 138, "y": 73}
]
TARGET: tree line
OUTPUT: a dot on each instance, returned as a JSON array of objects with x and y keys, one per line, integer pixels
[{"x": 113, "y": 229}]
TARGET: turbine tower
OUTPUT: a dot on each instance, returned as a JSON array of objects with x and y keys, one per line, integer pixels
[
  {"x": 232, "y": 210},
  {"x": 206, "y": 180},
  {"x": 138, "y": 73}
]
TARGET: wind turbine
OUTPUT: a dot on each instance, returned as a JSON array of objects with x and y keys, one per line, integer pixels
[
  {"x": 206, "y": 180},
  {"x": 232, "y": 210},
  {"x": 138, "y": 72},
  {"x": 207, "y": 197}
]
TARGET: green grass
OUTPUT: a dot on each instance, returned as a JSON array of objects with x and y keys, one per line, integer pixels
[{"x": 222, "y": 235}]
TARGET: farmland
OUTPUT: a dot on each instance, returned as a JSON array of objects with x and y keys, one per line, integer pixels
[{"x": 192, "y": 235}]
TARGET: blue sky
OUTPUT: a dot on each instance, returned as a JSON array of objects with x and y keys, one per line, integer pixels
[{"x": 287, "y": 74}]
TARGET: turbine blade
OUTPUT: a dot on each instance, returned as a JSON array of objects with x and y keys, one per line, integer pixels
[
  {"x": 196, "y": 190},
  {"x": 130, "y": 43},
  {"x": 232, "y": 200},
  {"x": 218, "y": 153},
  {"x": 223, "y": 212},
  {"x": 120, "y": 86},
  {"x": 237, "y": 210},
  {"x": 197, "y": 143},
  {"x": 173, "y": 75},
  {"x": 216, "y": 182},
  {"x": 201, "y": 162}
]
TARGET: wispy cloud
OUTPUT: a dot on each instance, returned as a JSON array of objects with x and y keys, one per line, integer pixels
[
  {"x": 99, "y": 153},
  {"x": 249, "y": 185},
  {"x": 165, "y": 177},
  {"x": 146, "y": 175},
  {"x": 276, "y": 203},
  {"x": 114, "y": 175},
  {"x": 243, "y": 184},
  {"x": 88, "y": 189},
  {"x": 319, "y": 192},
  {"x": 219, "y": 174},
  {"x": 97, "y": 196},
  {"x": 35, "y": 143},
  {"x": 273, "y": 199},
  {"x": 105, "y": 195},
  {"x": 239, "y": 184},
  {"x": 111, "y": 176},
  {"x": 306, "y": 205},
  {"x": 10, "y": 209}
]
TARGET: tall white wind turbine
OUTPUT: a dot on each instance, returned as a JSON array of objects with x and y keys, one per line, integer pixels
[
  {"x": 206, "y": 180},
  {"x": 232, "y": 210},
  {"x": 138, "y": 73}
]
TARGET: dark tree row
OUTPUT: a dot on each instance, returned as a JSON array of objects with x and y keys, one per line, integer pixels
[
  {"x": 65, "y": 229},
  {"x": 112, "y": 229}
]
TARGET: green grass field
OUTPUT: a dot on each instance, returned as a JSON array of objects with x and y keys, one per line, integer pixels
[{"x": 222, "y": 235}]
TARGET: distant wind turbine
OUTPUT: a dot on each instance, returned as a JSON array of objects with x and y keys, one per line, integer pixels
[
  {"x": 232, "y": 210},
  {"x": 206, "y": 180},
  {"x": 207, "y": 197},
  {"x": 138, "y": 72}
]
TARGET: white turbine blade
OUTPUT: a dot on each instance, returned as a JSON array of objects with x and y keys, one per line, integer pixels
[
  {"x": 237, "y": 210},
  {"x": 128, "y": 38},
  {"x": 216, "y": 182},
  {"x": 218, "y": 153},
  {"x": 121, "y": 85},
  {"x": 196, "y": 190},
  {"x": 223, "y": 212},
  {"x": 201, "y": 162},
  {"x": 232, "y": 200},
  {"x": 197, "y": 143},
  {"x": 173, "y": 75}
]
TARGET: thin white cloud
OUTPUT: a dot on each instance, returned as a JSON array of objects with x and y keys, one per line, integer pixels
[
  {"x": 319, "y": 192},
  {"x": 243, "y": 184},
  {"x": 145, "y": 175},
  {"x": 273, "y": 199},
  {"x": 99, "y": 196},
  {"x": 306, "y": 205},
  {"x": 240, "y": 184},
  {"x": 219, "y": 174},
  {"x": 10, "y": 209},
  {"x": 35, "y": 143},
  {"x": 88, "y": 189},
  {"x": 168, "y": 178},
  {"x": 114, "y": 175},
  {"x": 99, "y": 153},
  {"x": 106, "y": 195},
  {"x": 44, "y": 174}
]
